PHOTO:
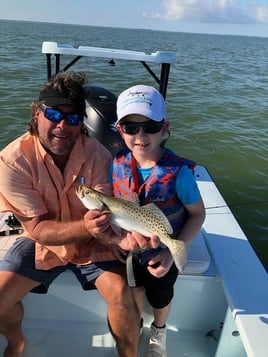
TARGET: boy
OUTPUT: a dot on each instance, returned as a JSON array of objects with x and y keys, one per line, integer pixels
[{"x": 153, "y": 173}]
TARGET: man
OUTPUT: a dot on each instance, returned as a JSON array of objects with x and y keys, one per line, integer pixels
[{"x": 40, "y": 172}]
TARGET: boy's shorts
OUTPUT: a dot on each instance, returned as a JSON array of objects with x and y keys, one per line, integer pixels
[
  {"x": 159, "y": 291},
  {"x": 20, "y": 259}
]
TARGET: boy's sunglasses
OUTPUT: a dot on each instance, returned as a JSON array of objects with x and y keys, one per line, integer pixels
[
  {"x": 149, "y": 127},
  {"x": 56, "y": 116}
]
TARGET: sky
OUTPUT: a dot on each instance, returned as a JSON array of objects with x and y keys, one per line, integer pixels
[{"x": 235, "y": 17}]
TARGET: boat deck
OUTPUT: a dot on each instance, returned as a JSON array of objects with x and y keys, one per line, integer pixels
[
  {"x": 73, "y": 322},
  {"x": 83, "y": 341}
]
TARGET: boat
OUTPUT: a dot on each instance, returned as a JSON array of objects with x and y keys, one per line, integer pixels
[{"x": 220, "y": 306}]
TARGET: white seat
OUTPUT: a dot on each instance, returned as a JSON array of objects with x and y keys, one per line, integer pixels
[{"x": 198, "y": 256}]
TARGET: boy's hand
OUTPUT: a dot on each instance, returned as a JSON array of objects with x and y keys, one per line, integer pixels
[{"x": 159, "y": 265}]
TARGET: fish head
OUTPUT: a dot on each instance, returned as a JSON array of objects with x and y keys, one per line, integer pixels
[{"x": 89, "y": 197}]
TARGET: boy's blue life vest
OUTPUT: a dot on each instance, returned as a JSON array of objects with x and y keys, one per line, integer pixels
[{"x": 159, "y": 187}]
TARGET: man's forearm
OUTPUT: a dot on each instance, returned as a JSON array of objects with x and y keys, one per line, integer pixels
[{"x": 59, "y": 233}]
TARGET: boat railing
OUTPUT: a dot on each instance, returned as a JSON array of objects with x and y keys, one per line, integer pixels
[{"x": 163, "y": 58}]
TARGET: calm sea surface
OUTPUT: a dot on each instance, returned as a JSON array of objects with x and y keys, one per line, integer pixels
[{"x": 217, "y": 100}]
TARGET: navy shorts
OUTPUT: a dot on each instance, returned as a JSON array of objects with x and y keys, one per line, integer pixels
[{"x": 20, "y": 259}]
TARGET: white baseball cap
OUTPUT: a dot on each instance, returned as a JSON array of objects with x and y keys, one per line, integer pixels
[{"x": 143, "y": 100}]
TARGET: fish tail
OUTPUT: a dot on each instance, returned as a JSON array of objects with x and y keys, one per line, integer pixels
[{"x": 178, "y": 250}]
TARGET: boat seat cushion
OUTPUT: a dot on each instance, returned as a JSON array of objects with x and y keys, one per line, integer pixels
[{"x": 198, "y": 256}]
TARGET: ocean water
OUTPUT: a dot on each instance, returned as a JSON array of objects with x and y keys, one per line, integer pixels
[{"x": 217, "y": 100}]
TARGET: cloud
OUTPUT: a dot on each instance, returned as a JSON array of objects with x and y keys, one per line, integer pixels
[
  {"x": 262, "y": 14},
  {"x": 212, "y": 11}
]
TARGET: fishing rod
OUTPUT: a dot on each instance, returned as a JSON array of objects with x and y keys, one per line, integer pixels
[{"x": 239, "y": 204}]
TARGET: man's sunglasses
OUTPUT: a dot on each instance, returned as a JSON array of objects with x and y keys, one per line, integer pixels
[
  {"x": 56, "y": 116},
  {"x": 149, "y": 127}
]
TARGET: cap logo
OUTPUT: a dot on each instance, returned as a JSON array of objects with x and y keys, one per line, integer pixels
[
  {"x": 137, "y": 97},
  {"x": 141, "y": 100}
]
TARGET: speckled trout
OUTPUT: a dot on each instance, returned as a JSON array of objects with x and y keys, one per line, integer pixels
[{"x": 148, "y": 220}]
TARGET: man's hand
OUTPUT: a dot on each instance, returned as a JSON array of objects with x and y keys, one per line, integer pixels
[
  {"x": 133, "y": 241},
  {"x": 120, "y": 254},
  {"x": 96, "y": 222}
]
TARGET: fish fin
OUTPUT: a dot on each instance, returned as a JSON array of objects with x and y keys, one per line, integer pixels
[
  {"x": 117, "y": 230},
  {"x": 132, "y": 197},
  {"x": 178, "y": 249},
  {"x": 159, "y": 215}
]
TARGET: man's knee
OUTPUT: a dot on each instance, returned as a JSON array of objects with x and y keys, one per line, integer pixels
[{"x": 115, "y": 290}]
